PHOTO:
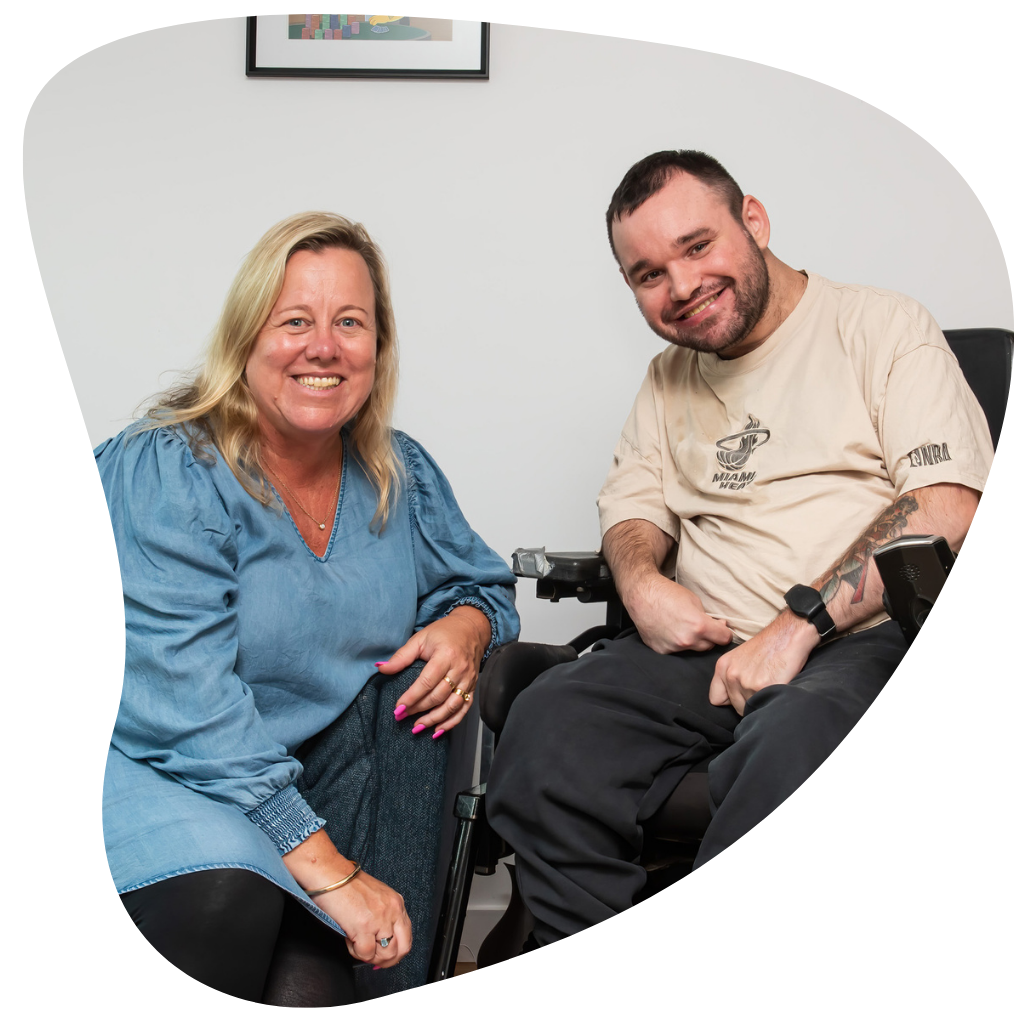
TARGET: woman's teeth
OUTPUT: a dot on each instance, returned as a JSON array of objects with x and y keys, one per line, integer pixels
[{"x": 319, "y": 383}]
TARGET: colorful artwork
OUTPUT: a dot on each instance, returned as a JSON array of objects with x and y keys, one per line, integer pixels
[
  {"x": 368, "y": 27},
  {"x": 302, "y": 46}
]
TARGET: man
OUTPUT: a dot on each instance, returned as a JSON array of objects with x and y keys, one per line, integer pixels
[{"x": 791, "y": 427}]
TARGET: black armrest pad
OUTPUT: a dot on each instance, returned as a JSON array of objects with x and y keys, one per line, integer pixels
[
  {"x": 567, "y": 566},
  {"x": 509, "y": 671}
]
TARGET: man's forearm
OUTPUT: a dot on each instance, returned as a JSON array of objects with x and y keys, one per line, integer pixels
[
  {"x": 667, "y": 616},
  {"x": 852, "y": 588},
  {"x": 633, "y": 550}
]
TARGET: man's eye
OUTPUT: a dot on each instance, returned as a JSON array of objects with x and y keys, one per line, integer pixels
[
  {"x": 650, "y": 275},
  {"x": 700, "y": 246}
]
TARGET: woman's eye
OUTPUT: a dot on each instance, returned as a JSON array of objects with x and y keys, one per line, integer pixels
[
  {"x": 348, "y": 321},
  {"x": 295, "y": 321}
]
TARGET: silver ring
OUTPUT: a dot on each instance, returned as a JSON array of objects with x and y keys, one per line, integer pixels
[{"x": 384, "y": 942}]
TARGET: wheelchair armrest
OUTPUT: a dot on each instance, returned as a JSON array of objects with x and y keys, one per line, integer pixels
[
  {"x": 571, "y": 566},
  {"x": 583, "y": 575},
  {"x": 913, "y": 569},
  {"x": 509, "y": 671}
]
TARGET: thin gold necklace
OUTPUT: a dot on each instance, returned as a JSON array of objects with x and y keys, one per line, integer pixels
[{"x": 322, "y": 523}]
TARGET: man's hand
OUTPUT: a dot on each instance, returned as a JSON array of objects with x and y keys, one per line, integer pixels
[
  {"x": 851, "y": 590},
  {"x": 773, "y": 656},
  {"x": 670, "y": 618}
]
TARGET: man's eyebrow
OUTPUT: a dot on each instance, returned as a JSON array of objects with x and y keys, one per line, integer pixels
[
  {"x": 684, "y": 240},
  {"x": 638, "y": 266},
  {"x": 681, "y": 242}
]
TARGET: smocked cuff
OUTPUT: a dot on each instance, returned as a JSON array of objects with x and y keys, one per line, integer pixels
[
  {"x": 483, "y": 606},
  {"x": 287, "y": 819}
]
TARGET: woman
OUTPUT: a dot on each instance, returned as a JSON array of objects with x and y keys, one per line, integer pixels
[{"x": 278, "y": 543}]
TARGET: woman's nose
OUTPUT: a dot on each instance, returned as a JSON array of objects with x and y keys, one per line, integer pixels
[{"x": 320, "y": 344}]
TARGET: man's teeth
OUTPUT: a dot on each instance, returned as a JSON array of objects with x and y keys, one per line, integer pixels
[
  {"x": 319, "y": 383},
  {"x": 703, "y": 305}
]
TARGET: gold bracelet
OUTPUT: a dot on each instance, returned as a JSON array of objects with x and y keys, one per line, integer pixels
[{"x": 336, "y": 885}]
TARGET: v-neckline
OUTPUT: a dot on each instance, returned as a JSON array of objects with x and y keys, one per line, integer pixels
[{"x": 337, "y": 509}]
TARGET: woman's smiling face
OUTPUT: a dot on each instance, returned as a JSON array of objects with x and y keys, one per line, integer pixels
[{"x": 312, "y": 367}]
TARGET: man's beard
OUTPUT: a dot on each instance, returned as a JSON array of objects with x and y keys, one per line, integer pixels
[{"x": 751, "y": 292}]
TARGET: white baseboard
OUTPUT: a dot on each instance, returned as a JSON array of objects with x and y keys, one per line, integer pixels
[{"x": 488, "y": 898}]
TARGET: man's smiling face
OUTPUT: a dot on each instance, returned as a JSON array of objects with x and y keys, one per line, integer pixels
[{"x": 698, "y": 275}]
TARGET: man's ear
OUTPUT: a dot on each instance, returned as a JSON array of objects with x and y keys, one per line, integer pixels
[
  {"x": 624, "y": 278},
  {"x": 754, "y": 218}
]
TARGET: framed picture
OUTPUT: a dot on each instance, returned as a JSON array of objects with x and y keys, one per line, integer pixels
[{"x": 365, "y": 46}]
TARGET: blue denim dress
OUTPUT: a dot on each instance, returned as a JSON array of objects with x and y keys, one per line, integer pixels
[{"x": 241, "y": 644}]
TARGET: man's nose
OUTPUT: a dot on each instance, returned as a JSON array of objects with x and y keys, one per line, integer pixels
[{"x": 683, "y": 280}]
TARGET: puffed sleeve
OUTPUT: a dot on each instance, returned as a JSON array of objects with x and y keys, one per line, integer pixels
[
  {"x": 183, "y": 708},
  {"x": 453, "y": 565},
  {"x": 634, "y": 487}
]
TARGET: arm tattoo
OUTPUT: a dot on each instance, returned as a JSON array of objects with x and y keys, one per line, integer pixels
[{"x": 852, "y": 567}]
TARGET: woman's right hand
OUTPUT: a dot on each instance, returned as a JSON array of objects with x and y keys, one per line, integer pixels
[
  {"x": 369, "y": 911},
  {"x": 366, "y": 909}
]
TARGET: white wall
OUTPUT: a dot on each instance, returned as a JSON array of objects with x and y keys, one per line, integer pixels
[
  {"x": 521, "y": 348},
  {"x": 153, "y": 164}
]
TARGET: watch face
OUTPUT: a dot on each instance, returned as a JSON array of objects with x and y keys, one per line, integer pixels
[{"x": 805, "y": 601}]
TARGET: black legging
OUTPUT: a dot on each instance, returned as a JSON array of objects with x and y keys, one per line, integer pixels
[{"x": 235, "y": 931}]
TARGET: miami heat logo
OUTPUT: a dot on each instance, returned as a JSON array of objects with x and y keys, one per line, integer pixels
[{"x": 735, "y": 449}]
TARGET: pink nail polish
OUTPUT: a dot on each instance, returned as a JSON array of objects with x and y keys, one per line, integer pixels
[
  {"x": 400, "y": 712},
  {"x": 376, "y": 967},
  {"x": 377, "y": 664},
  {"x": 440, "y": 732},
  {"x": 418, "y": 728}
]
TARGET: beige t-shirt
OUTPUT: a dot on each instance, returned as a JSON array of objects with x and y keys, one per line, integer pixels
[{"x": 766, "y": 468}]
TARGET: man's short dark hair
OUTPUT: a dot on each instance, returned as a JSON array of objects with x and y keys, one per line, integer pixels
[{"x": 650, "y": 175}]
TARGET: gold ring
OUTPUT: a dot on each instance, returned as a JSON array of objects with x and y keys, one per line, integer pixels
[
  {"x": 468, "y": 696},
  {"x": 448, "y": 680},
  {"x": 460, "y": 693}
]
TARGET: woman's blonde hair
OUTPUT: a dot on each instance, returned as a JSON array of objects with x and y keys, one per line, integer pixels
[{"x": 216, "y": 406}]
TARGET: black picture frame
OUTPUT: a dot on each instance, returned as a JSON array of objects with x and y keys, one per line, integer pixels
[{"x": 342, "y": 59}]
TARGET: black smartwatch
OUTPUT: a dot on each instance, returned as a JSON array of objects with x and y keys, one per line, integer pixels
[{"x": 807, "y": 603}]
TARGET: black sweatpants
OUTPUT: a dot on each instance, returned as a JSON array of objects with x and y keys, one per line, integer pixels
[{"x": 594, "y": 747}]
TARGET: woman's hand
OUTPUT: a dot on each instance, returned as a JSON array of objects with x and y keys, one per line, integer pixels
[
  {"x": 366, "y": 909},
  {"x": 369, "y": 911},
  {"x": 452, "y": 648}
]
